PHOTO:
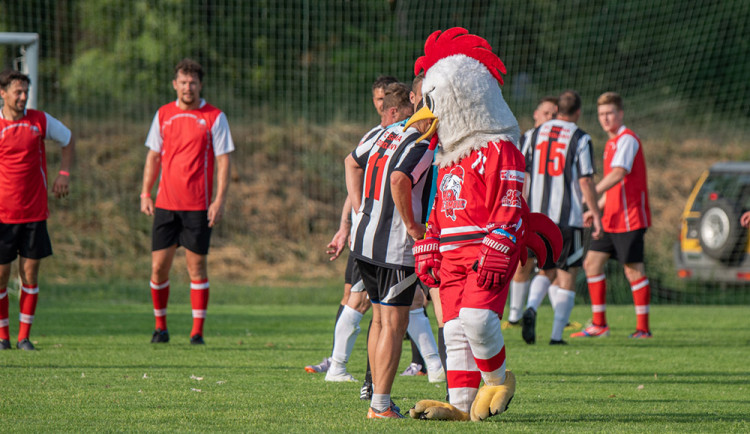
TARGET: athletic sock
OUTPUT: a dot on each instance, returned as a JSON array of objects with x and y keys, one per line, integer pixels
[
  {"x": 381, "y": 402},
  {"x": 346, "y": 332},
  {"x": 29, "y": 295},
  {"x": 368, "y": 372},
  {"x": 338, "y": 315},
  {"x": 420, "y": 331},
  {"x": 518, "y": 292},
  {"x": 565, "y": 300},
  {"x": 552, "y": 295},
  {"x": 598, "y": 293},
  {"x": 4, "y": 323},
  {"x": 199, "y": 300},
  {"x": 642, "y": 300},
  {"x": 160, "y": 297},
  {"x": 537, "y": 291}
]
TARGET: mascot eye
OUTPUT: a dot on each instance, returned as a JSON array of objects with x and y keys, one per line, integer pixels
[{"x": 429, "y": 103}]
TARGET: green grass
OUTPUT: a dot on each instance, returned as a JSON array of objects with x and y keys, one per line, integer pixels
[{"x": 96, "y": 371}]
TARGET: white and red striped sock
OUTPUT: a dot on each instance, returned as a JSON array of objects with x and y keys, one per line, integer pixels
[
  {"x": 461, "y": 369},
  {"x": 160, "y": 297},
  {"x": 199, "y": 302},
  {"x": 598, "y": 293},
  {"x": 29, "y": 295},
  {"x": 642, "y": 299},
  {"x": 4, "y": 323}
]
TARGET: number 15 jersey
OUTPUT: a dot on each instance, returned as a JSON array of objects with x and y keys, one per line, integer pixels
[{"x": 557, "y": 156}]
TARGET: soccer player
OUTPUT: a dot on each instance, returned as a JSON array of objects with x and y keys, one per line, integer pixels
[
  {"x": 187, "y": 138},
  {"x": 519, "y": 286},
  {"x": 387, "y": 178},
  {"x": 625, "y": 218},
  {"x": 23, "y": 196},
  {"x": 560, "y": 167}
]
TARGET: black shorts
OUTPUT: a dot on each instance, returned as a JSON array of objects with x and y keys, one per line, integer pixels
[
  {"x": 184, "y": 228},
  {"x": 626, "y": 247},
  {"x": 352, "y": 276},
  {"x": 388, "y": 286},
  {"x": 571, "y": 255},
  {"x": 30, "y": 240}
]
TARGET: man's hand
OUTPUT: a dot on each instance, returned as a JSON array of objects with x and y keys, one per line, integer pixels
[
  {"x": 416, "y": 231},
  {"x": 215, "y": 213},
  {"x": 498, "y": 258},
  {"x": 745, "y": 219},
  {"x": 337, "y": 244},
  {"x": 427, "y": 259},
  {"x": 147, "y": 205},
  {"x": 60, "y": 187}
]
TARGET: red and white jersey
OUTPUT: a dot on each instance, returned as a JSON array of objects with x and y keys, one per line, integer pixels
[
  {"x": 188, "y": 140},
  {"x": 626, "y": 208},
  {"x": 23, "y": 165},
  {"x": 477, "y": 194}
]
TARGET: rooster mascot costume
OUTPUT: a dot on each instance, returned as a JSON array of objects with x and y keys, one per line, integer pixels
[{"x": 480, "y": 226}]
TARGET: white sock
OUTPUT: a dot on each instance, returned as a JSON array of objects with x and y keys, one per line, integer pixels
[
  {"x": 421, "y": 333},
  {"x": 345, "y": 335},
  {"x": 381, "y": 402},
  {"x": 537, "y": 291},
  {"x": 552, "y": 294},
  {"x": 518, "y": 292},
  {"x": 564, "y": 305}
]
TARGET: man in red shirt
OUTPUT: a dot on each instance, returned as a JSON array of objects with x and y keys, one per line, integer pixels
[
  {"x": 23, "y": 196},
  {"x": 185, "y": 138},
  {"x": 625, "y": 217}
]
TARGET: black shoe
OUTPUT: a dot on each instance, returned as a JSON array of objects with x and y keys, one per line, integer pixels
[
  {"x": 528, "y": 332},
  {"x": 25, "y": 344},
  {"x": 365, "y": 393},
  {"x": 197, "y": 339},
  {"x": 560, "y": 342},
  {"x": 4, "y": 344},
  {"x": 160, "y": 336}
]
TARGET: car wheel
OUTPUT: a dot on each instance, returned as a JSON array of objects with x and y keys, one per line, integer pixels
[{"x": 720, "y": 232}]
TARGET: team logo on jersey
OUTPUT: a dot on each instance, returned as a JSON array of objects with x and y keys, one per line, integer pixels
[
  {"x": 512, "y": 199},
  {"x": 450, "y": 192},
  {"x": 511, "y": 175}
]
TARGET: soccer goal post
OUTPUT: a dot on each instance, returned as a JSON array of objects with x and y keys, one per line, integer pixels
[{"x": 29, "y": 59}]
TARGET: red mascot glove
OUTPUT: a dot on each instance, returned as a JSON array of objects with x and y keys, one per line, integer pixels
[
  {"x": 427, "y": 259},
  {"x": 498, "y": 258}
]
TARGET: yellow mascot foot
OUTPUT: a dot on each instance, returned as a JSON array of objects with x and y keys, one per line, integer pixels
[
  {"x": 436, "y": 410},
  {"x": 493, "y": 400}
]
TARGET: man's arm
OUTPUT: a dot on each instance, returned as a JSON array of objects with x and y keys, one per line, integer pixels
[
  {"x": 594, "y": 214},
  {"x": 401, "y": 191},
  {"x": 150, "y": 172},
  {"x": 338, "y": 242},
  {"x": 355, "y": 176},
  {"x": 61, "y": 185},
  {"x": 216, "y": 209},
  {"x": 616, "y": 175}
]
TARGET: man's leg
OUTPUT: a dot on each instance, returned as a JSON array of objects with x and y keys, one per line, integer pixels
[
  {"x": 641, "y": 289},
  {"x": 199, "y": 291},
  {"x": 565, "y": 296},
  {"x": 386, "y": 353},
  {"x": 346, "y": 332},
  {"x": 420, "y": 331},
  {"x": 539, "y": 286},
  {"x": 4, "y": 322},
  {"x": 519, "y": 287},
  {"x": 28, "y": 270},
  {"x": 161, "y": 263}
]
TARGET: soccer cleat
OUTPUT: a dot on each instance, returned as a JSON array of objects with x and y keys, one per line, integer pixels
[
  {"x": 560, "y": 342},
  {"x": 340, "y": 378},
  {"x": 4, "y": 344},
  {"x": 321, "y": 367},
  {"x": 593, "y": 331},
  {"x": 528, "y": 332},
  {"x": 197, "y": 339},
  {"x": 510, "y": 325},
  {"x": 160, "y": 336},
  {"x": 412, "y": 370},
  {"x": 25, "y": 344},
  {"x": 390, "y": 413},
  {"x": 365, "y": 393},
  {"x": 436, "y": 377},
  {"x": 640, "y": 334}
]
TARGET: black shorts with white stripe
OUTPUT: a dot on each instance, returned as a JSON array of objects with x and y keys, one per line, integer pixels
[
  {"x": 572, "y": 251},
  {"x": 388, "y": 286}
]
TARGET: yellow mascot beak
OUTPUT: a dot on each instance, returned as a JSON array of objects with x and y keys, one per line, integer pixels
[{"x": 420, "y": 115}]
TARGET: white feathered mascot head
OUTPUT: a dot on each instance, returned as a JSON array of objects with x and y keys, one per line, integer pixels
[{"x": 461, "y": 93}]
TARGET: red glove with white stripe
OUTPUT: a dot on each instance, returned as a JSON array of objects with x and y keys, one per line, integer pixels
[
  {"x": 498, "y": 259},
  {"x": 427, "y": 259}
]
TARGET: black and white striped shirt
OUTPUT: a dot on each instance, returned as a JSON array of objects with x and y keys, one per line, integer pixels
[
  {"x": 558, "y": 154},
  {"x": 379, "y": 234}
]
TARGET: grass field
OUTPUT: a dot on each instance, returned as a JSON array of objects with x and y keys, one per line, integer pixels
[{"x": 95, "y": 370}]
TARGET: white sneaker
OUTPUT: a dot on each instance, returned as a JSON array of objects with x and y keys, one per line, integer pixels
[
  {"x": 412, "y": 370},
  {"x": 340, "y": 378},
  {"x": 436, "y": 377},
  {"x": 321, "y": 367}
]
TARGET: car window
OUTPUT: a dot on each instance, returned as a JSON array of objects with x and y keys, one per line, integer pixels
[{"x": 734, "y": 187}]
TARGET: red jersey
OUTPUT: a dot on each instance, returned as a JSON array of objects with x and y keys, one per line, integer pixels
[
  {"x": 188, "y": 140},
  {"x": 477, "y": 194},
  {"x": 626, "y": 208},
  {"x": 23, "y": 165}
]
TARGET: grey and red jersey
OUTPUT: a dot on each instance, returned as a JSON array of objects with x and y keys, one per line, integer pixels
[
  {"x": 379, "y": 235},
  {"x": 558, "y": 154}
]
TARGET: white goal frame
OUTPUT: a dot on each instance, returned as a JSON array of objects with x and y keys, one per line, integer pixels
[{"x": 29, "y": 43}]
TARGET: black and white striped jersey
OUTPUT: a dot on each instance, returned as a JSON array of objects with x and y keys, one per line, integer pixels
[
  {"x": 558, "y": 154},
  {"x": 379, "y": 233}
]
